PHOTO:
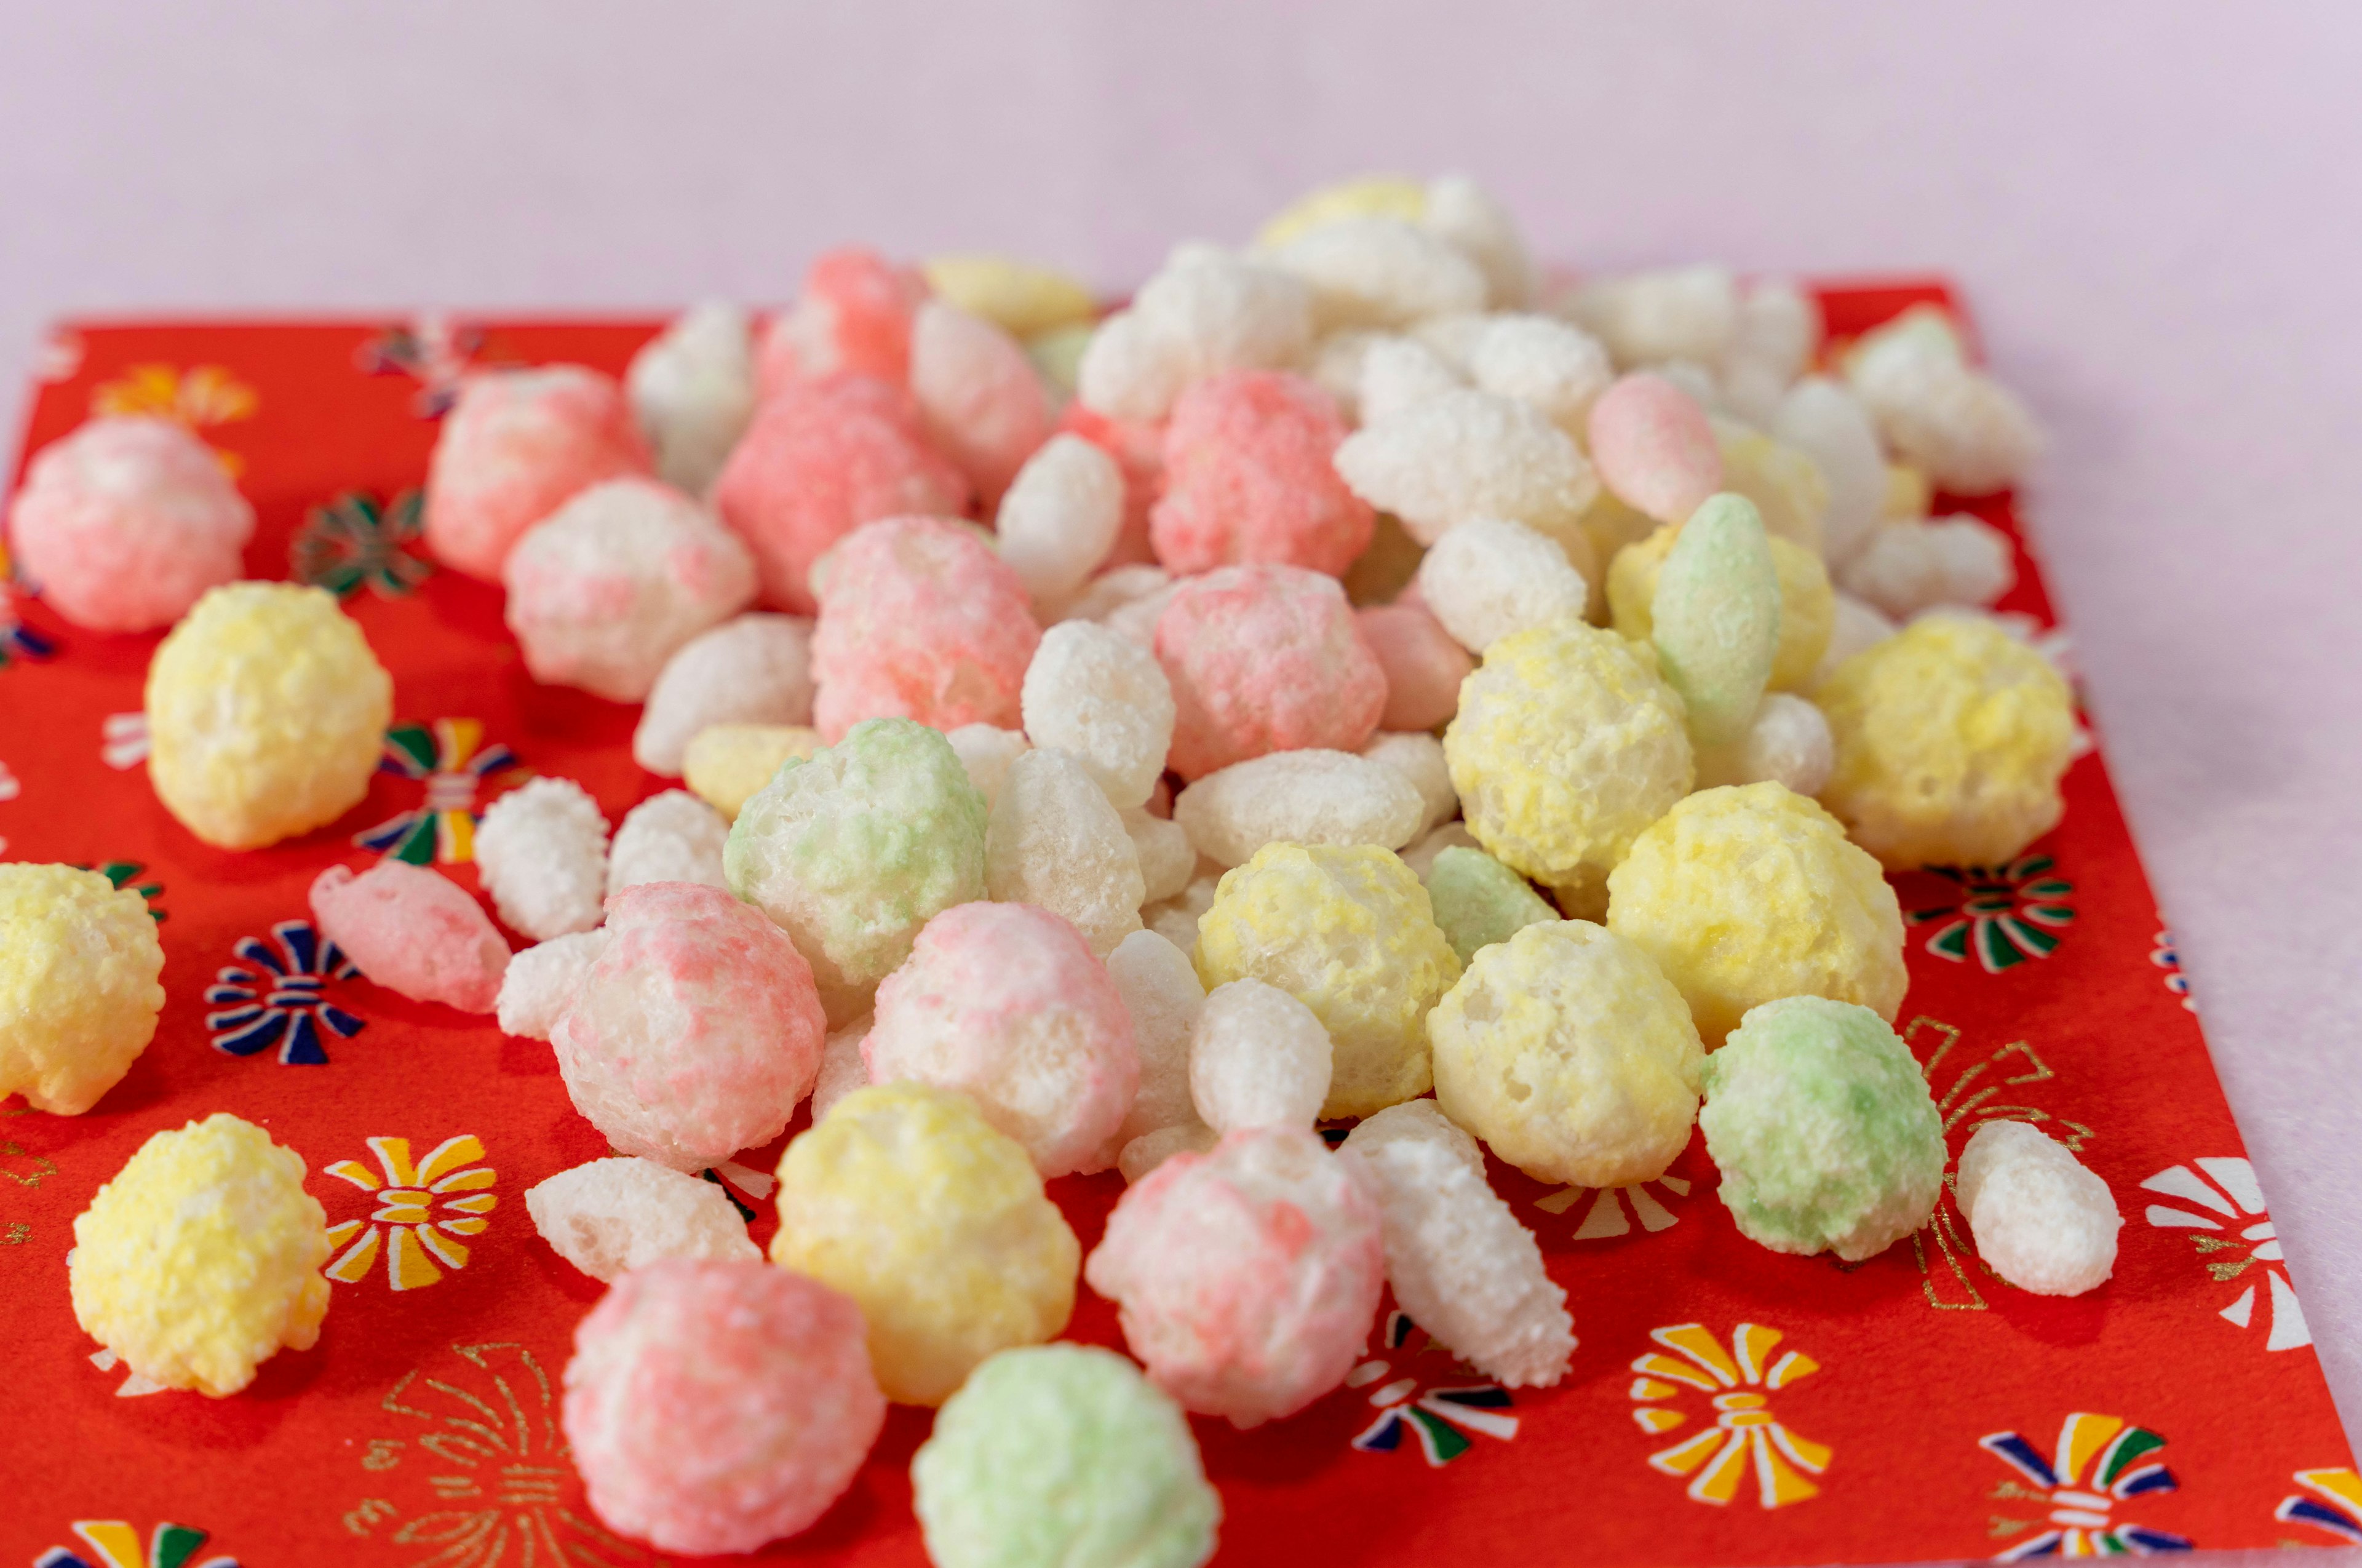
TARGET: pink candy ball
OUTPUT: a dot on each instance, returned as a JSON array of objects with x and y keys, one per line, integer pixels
[
  {"x": 713, "y": 1407},
  {"x": 821, "y": 460},
  {"x": 854, "y": 316},
  {"x": 696, "y": 1032},
  {"x": 1006, "y": 1002},
  {"x": 1265, "y": 658},
  {"x": 1138, "y": 451},
  {"x": 512, "y": 449},
  {"x": 124, "y": 523},
  {"x": 1249, "y": 476},
  {"x": 1654, "y": 447},
  {"x": 1247, "y": 1276},
  {"x": 1424, "y": 666},
  {"x": 413, "y": 931},
  {"x": 920, "y": 619}
]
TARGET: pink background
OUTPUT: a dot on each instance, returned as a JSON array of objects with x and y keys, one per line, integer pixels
[{"x": 2155, "y": 208}]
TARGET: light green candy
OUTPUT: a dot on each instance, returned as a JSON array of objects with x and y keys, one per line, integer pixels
[
  {"x": 1716, "y": 617},
  {"x": 1065, "y": 1455},
  {"x": 1822, "y": 1126},
  {"x": 1479, "y": 902},
  {"x": 851, "y": 852}
]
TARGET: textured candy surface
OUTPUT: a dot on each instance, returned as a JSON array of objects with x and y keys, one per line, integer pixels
[
  {"x": 1149, "y": 1150},
  {"x": 751, "y": 669},
  {"x": 1103, "y": 699},
  {"x": 541, "y": 851},
  {"x": 611, "y": 1216},
  {"x": 1788, "y": 744},
  {"x": 1479, "y": 902},
  {"x": 1298, "y": 797},
  {"x": 1654, "y": 447},
  {"x": 542, "y": 982},
  {"x": 2040, "y": 1219},
  {"x": 1163, "y": 995},
  {"x": 668, "y": 837},
  {"x": 79, "y": 962},
  {"x": 724, "y": 765},
  {"x": 413, "y": 931},
  {"x": 692, "y": 392},
  {"x": 907, "y": 1199},
  {"x": 853, "y": 316},
  {"x": 1556, "y": 367},
  {"x": 1257, "y": 1059},
  {"x": 1807, "y": 603},
  {"x": 1249, "y": 477},
  {"x": 980, "y": 402},
  {"x": 1264, "y": 658},
  {"x": 1379, "y": 271},
  {"x": 842, "y": 1069},
  {"x": 1060, "y": 518},
  {"x": 1823, "y": 1128},
  {"x": 1716, "y": 618},
  {"x": 1486, "y": 579},
  {"x": 1423, "y": 665},
  {"x": 987, "y": 753},
  {"x": 1418, "y": 757},
  {"x": 1205, "y": 311},
  {"x": 1168, "y": 861},
  {"x": 514, "y": 448},
  {"x": 1053, "y": 841},
  {"x": 1464, "y": 454},
  {"x": 202, "y": 1258}
]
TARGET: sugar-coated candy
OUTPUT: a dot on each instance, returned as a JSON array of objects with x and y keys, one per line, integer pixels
[
  {"x": 724, "y": 765},
  {"x": 1149, "y": 1150},
  {"x": 692, "y": 390},
  {"x": 1969, "y": 433},
  {"x": 1479, "y": 902},
  {"x": 1908, "y": 567},
  {"x": 1021, "y": 297},
  {"x": 1744, "y": 894},
  {"x": 1466, "y": 453},
  {"x": 1951, "y": 738},
  {"x": 1249, "y": 477},
  {"x": 853, "y": 316},
  {"x": 1347, "y": 931},
  {"x": 1807, "y": 603},
  {"x": 1176, "y": 918},
  {"x": 1205, "y": 310},
  {"x": 1363, "y": 195},
  {"x": 908, "y": 1200},
  {"x": 514, "y": 448},
  {"x": 1675, "y": 313},
  {"x": 1103, "y": 699},
  {"x": 79, "y": 961},
  {"x": 1571, "y": 1055},
  {"x": 126, "y": 521},
  {"x": 413, "y": 931},
  {"x": 1421, "y": 856},
  {"x": 668, "y": 837},
  {"x": 1821, "y": 1124},
  {"x": 751, "y": 669},
  {"x": 1475, "y": 222},
  {"x": 1773, "y": 338},
  {"x": 1824, "y": 420},
  {"x": 1567, "y": 744},
  {"x": 1264, "y": 658},
  {"x": 1714, "y": 618},
  {"x": 1785, "y": 485},
  {"x": 1297, "y": 797},
  {"x": 2041, "y": 1219},
  {"x": 822, "y": 459},
  {"x": 842, "y": 1068},
  {"x": 1167, "y": 859},
  {"x": 1460, "y": 1263},
  {"x": 1418, "y": 757},
  {"x": 1257, "y": 1059},
  {"x": 1556, "y": 367},
  {"x": 266, "y": 714},
  {"x": 1062, "y": 1454},
  {"x": 697, "y": 1031},
  {"x": 1485, "y": 578},
  {"x": 986, "y": 752},
  {"x": 715, "y": 1405},
  {"x": 611, "y": 1216},
  {"x": 1163, "y": 995},
  {"x": 919, "y": 618},
  {"x": 541, "y": 852},
  {"x": 1247, "y": 1276},
  {"x": 980, "y": 401},
  {"x": 1653, "y": 446},
  {"x": 1138, "y": 449},
  {"x": 201, "y": 1260},
  {"x": 1787, "y": 743},
  {"x": 542, "y": 982},
  {"x": 1423, "y": 665},
  {"x": 1139, "y": 604},
  {"x": 1853, "y": 626},
  {"x": 1005, "y": 1001},
  {"x": 1395, "y": 373},
  {"x": 1060, "y": 518},
  {"x": 1053, "y": 841},
  {"x": 1377, "y": 271}
]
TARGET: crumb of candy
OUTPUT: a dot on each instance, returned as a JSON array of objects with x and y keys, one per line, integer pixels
[
  {"x": 1822, "y": 419},
  {"x": 714, "y": 1406},
  {"x": 980, "y": 401},
  {"x": 1418, "y": 757},
  {"x": 842, "y": 1068},
  {"x": 1060, "y": 518},
  {"x": 126, "y": 521},
  {"x": 611, "y": 1216},
  {"x": 1062, "y": 1453},
  {"x": 413, "y": 931},
  {"x": 1479, "y": 902},
  {"x": 1379, "y": 271},
  {"x": 1821, "y": 1124},
  {"x": 1248, "y": 477},
  {"x": 1486, "y": 580},
  {"x": 512, "y": 449},
  {"x": 1348, "y": 931},
  {"x": 79, "y": 961},
  {"x": 266, "y": 712},
  {"x": 1716, "y": 618},
  {"x": 1055, "y": 843},
  {"x": 692, "y": 392},
  {"x": 1103, "y": 699},
  {"x": 1460, "y": 1263},
  {"x": 1167, "y": 859},
  {"x": 1021, "y": 297},
  {"x": 724, "y": 764},
  {"x": 854, "y": 315},
  {"x": 200, "y": 1259},
  {"x": 1163, "y": 995},
  {"x": 908, "y": 1200},
  {"x": 2043, "y": 1222},
  {"x": 1462, "y": 455},
  {"x": 1264, "y": 658},
  {"x": 1653, "y": 446},
  {"x": 1423, "y": 665},
  {"x": 1421, "y": 856},
  {"x": 987, "y": 753},
  {"x": 1908, "y": 567},
  {"x": 668, "y": 837},
  {"x": 1297, "y": 797},
  {"x": 697, "y": 1031},
  {"x": 542, "y": 982},
  {"x": 1951, "y": 738},
  {"x": 751, "y": 669},
  {"x": 1364, "y": 195},
  {"x": 1786, "y": 488},
  {"x": 541, "y": 851},
  {"x": 1257, "y": 1059}
]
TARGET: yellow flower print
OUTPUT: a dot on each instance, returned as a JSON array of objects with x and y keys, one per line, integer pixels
[
  {"x": 200, "y": 397},
  {"x": 422, "y": 1209},
  {"x": 1744, "y": 1437}
]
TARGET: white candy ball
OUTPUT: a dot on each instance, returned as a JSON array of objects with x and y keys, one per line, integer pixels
[
  {"x": 986, "y": 751},
  {"x": 1167, "y": 859},
  {"x": 541, "y": 982},
  {"x": 1298, "y": 797},
  {"x": 842, "y": 1068},
  {"x": 1418, "y": 757},
  {"x": 1380, "y": 272},
  {"x": 1258, "y": 1057},
  {"x": 1163, "y": 994},
  {"x": 670, "y": 837},
  {"x": 1464, "y": 454},
  {"x": 1061, "y": 517},
  {"x": 755, "y": 669},
  {"x": 612, "y": 1216},
  {"x": 692, "y": 392},
  {"x": 2043, "y": 1222},
  {"x": 1486, "y": 580},
  {"x": 541, "y": 852},
  {"x": 1101, "y": 697},
  {"x": 1053, "y": 841},
  {"x": 1787, "y": 743}
]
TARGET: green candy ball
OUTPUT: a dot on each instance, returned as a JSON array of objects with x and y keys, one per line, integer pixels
[{"x": 1479, "y": 902}]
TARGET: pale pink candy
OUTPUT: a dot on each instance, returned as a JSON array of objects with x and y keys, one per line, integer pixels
[
  {"x": 1249, "y": 476},
  {"x": 1139, "y": 450},
  {"x": 1265, "y": 658},
  {"x": 713, "y": 1406},
  {"x": 854, "y": 315},
  {"x": 920, "y": 619},
  {"x": 982, "y": 400},
  {"x": 514, "y": 448},
  {"x": 1424, "y": 666},
  {"x": 1654, "y": 447},
  {"x": 1005, "y": 1002},
  {"x": 413, "y": 931},
  {"x": 822, "y": 459},
  {"x": 124, "y": 523},
  {"x": 1248, "y": 1277},
  {"x": 697, "y": 1031}
]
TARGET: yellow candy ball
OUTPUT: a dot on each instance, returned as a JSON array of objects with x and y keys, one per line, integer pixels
[
  {"x": 1808, "y": 605},
  {"x": 905, "y": 1199},
  {"x": 1019, "y": 297},
  {"x": 1367, "y": 196},
  {"x": 1567, "y": 1052},
  {"x": 78, "y": 992},
  {"x": 725, "y": 763},
  {"x": 266, "y": 714},
  {"x": 1750, "y": 893},
  {"x": 1951, "y": 736},
  {"x": 1348, "y": 932},
  {"x": 201, "y": 1257},
  {"x": 1785, "y": 485},
  {"x": 1567, "y": 744}
]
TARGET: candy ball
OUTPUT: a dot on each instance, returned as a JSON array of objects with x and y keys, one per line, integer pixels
[
  {"x": 1554, "y": 364},
  {"x": 753, "y": 669},
  {"x": 1423, "y": 665},
  {"x": 1053, "y": 841},
  {"x": 670, "y": 837},
  {"x": 1464, "y": 454},
  {"x": 1349, "y": 932},
  {"x": 696, "y": 1032},
  {"x": 980, "y": 401},
  {"x": 692, "y": 390},
  {"x": 1823, "y": 1128},
  {"x": 1062, "y": 1453},
  {"x": 1264, "y": 658},
  {"x": 1908, "y": 567},
  {"x": 1168, "y": 861},
  {"x": 1778, "y": 481},
  {"x": 854, "y": 315},
  {"x": 514, "y": 448},
  {"x": 1418, "y": 757},
  {"x": 2043, "y": 1222},
  {"x": 1297, "y": 797},
  {"x": 1257, "y": 1059},
  {"x": 1479, "y": 902},
  {"x": 79, "y": 961},
  {"x": 1969, "y": 433},
  {"x": 541, "y": 853},
  {"x": 1249, "y": 477},
  {"x": 1021, "y": 297},
  {"x": 1138, "y": 449},
  {"x": 906, "y": 1200},
  {"x": 1827, "y": 424},
  {"x": 202, "y": 1258},
  {"x": 714, "y": 1406},
  {"x": 1787, "y": 743},
  {"x": 724, "y": 765},
  {"x": 1654, "y": 447},
  {"x": 1103, "y": 698},
  {"x": 612, "y": 1216},
  {"x": 1163, "y": 995},
  {"x": 1716, "y": 618},
  {"x": 542, "y": 982},
  {"x": 1808, "y": 606},
  {"x": 413, "y": 931},
  {"x": 987, "y": 753},
  {"x": 1380, "y": 271},
  {"x": 126, "y": 521},
  {"x": 1060, "y": 518},
  {"x": 266, "y": 714},
  {"x": 1486, "y": 579},
  {"x": 1206, "y": 311}
]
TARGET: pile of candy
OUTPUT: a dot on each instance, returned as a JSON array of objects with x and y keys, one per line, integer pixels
[{"x": 1352, "y": 671}]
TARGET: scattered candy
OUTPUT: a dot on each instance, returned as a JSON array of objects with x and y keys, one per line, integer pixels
[
  {"x": 514, "y": 448},
  {"x": 724, "y": 764},
  {"x": 1464, "y": 454},
  {"x": 1018, "y": 296},
  {"x": 1485, "y": 581},
  {"x": 1161, "y": 996},
  {"x": 1257, "y": 1059},
  {"x": 79, "y": 962},
  {"x": 1479, "y": 902},
  {"x": 1264, "y": 658},
  {"x": 1423, "y": 665},
  {"x": 854, "y": 316},
  {"x": 1298, "y": 797},
  {"x": 753, "y": 669},
  {"x": 1395, "y": 375},
  {"x": 1103, "y": 698},
  {"x": 612, "y": 1216},
  {"x": 542, "y": 982},
  {"x": 1716, "y": 618},
  {"x": 1807, "y": 604},
  {"x": 980, "y": 401},
  {"x": 1053, "y": 841},
  {"x": 1853, "y": 626},
  {"x": 541, "y": 852},
  {"x": 1968, "y": 433},
  {"x": 669, "y": 837},
  {"x": 692, "y": 392},
  {"x": 413, "y": 931},
  {"x": 1249, "y": 477},
  {"x": 1654, "y": 447},
  {"x": 1207, "y": 311},
  {"x": 1060, "y": 518},
  {"x": 1904, "y": 567},
  {"x": 2043, "y": 1222}
]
